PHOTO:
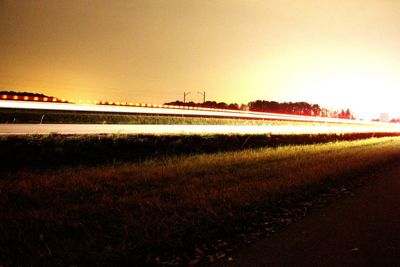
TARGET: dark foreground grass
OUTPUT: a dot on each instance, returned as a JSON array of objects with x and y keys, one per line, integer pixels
[
  {"x": 139, "y": 214},
  {"x": 53, "y": 151}
]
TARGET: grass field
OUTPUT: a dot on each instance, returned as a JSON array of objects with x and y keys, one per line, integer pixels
[
  {"x": 171, "y": 210},
  {"x": 54, "y": 151}
]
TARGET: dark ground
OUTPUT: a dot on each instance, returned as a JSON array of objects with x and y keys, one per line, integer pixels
[{"x": 361, "y": 229}]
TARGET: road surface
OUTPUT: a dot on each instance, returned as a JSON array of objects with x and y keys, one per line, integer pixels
[{"x": 358, "y": 230}]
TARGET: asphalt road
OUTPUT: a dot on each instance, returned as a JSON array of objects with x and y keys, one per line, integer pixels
[{"x": 362, "y": 229}]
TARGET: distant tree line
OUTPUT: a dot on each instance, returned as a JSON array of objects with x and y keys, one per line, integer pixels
[
  {"x": 22, "y": 93},
  {"x": 207, "y": 104},
  {"x": 297, "y": 108},
  {"x": 293, "y": 108}
]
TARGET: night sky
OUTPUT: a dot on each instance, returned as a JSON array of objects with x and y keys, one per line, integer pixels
[{"x": 338, "y": 54}]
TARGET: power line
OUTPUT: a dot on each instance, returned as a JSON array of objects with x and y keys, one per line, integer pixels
[
  {"x": 204, "y": 96},
  {"x": 184, "y": 96}
]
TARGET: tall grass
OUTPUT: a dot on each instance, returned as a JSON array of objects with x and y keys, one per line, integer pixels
[
  {"x": 132, "y": 213},
  {"x": 53, "y": 151}
]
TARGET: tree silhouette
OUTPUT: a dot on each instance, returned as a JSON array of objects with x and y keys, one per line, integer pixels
[
  {"x": 293, "y": 108},
  {"x": 22, "y": 93}
]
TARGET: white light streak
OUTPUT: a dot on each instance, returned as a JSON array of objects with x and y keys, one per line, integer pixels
[
  {"x": 162, "y": 110},
  {"x": 22, "y": 129}
]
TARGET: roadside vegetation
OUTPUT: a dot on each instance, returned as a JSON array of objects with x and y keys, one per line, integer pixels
[
  {"x": 53, "y": 151},
  {"x": 171, "y": 211}
]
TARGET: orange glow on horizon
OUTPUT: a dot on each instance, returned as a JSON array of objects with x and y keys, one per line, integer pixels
[{"x": 321, "y": 52}]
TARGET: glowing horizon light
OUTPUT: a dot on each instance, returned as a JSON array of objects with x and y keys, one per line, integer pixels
[
  {"x": 177, "y": 110},
  {"x": 296, "y": 53},
  {"x": 223, "y": 112}
]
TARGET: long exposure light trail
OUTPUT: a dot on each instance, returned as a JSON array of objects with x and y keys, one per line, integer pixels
[
  {"x": 21, "y": 129},
  {"x": 172, "y": 110},
  {"x": 329, "y": 125}
]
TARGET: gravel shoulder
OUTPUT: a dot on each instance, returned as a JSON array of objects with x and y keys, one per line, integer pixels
[{"x": 359, "y": 229}]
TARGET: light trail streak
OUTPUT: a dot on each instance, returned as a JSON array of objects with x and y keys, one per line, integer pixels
[
  {"x": 23, "y": 129},
  {"x": 171, "y": 110}
]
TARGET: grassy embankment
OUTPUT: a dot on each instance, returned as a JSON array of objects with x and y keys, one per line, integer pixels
[
  {"x": 53, "y": 151},
  {"x": 139, "y": 213}
]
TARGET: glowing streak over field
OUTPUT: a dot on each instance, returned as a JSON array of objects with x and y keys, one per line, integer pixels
[
  {"x": 330, "y": 125},
  {"x": 21, "y": 129},
  {"x": 172, "y": 110}
]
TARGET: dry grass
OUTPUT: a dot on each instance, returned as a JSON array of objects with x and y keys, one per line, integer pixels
[
  {"x": 132, "y": 213},
  {"x": 54, "y": 151}
]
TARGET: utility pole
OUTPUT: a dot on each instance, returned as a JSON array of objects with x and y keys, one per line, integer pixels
[
  {"x": 184, "y": 96},
  {"x": 204, "y": 96}
]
